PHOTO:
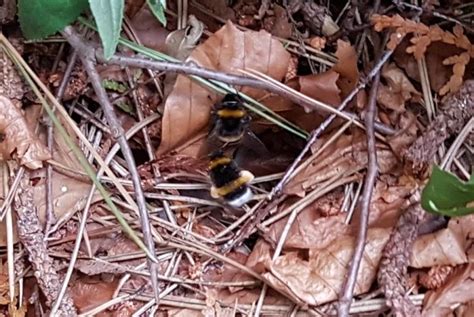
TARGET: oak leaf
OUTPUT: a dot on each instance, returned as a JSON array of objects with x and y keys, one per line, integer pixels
[{"x": 19, "y": 141}]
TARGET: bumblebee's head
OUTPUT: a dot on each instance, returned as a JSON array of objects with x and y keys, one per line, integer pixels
[{"x": 232, "y": 98}]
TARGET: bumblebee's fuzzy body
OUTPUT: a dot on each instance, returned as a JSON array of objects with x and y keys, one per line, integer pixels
[
  {"x": 229, "y": 182},
  {"x": 230, "y": 120}
]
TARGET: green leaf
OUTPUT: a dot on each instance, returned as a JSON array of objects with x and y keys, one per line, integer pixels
[
  {"x": 158, "y": 8},
  {"x": 114, "y": 85},
  {"x": 41, "y": 18},
  {"x": 447, "y": 195},
  {"x": 108, "y": 15}
]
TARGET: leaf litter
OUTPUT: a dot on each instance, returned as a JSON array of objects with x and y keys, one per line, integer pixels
[{"x": 312, "y": 265}]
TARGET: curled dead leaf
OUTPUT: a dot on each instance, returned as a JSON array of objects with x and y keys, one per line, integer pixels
[
  {"x": 346, "y": 66},
  {"x": 19, "y": 141},
  {"x": 187, "y": 109},
  {"x": 398, "y": 90}
]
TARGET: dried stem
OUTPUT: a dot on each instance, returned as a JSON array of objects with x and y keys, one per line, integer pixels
[
  {"x": 86, "y": 53},
  {"x": 372, "y": 170},
  {"x": 50, "y": 218}
]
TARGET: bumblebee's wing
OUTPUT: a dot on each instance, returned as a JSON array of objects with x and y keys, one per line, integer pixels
[
  {"x": 252, "y": 142},
  {"x": 210, "y": 145}
]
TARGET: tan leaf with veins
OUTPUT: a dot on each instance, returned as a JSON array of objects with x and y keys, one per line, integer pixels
[
  {"x": 19, "y": 141},
  {"x": 187, "y": 109},
  {"x": 448, "y": 246},
  {"x": 319, "y": 278},
  {"x": 347, "y": 153}
]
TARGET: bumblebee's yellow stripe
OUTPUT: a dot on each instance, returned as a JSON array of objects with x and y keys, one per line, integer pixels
[
  {"x": 219, "y": 161},
  {"x": 228, "y": 113},
  {"x": 245, "y": 178}
]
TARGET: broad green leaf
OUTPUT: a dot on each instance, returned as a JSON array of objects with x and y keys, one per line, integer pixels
[
  {"x": 41, "y": 18},
  {"x": 108, "y": 15},
  {"x": 158, "y": 8},
  {"x": 445, "y": 194}
]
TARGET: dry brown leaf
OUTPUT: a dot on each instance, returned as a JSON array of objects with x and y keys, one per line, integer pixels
[
  {"x": 346, "y": 66},
  {"x": 69, "y": 196},
  {"x": 445, "y": 247},
  {"x": 319, "y": 278},
  {"x": 347, "y": 153},
  {"x": 310, "y": 230},
  {"x": 278, "y": 24},
  {"x": 398, "y": 90},
  {"x": 88, "y": 293},
  {"x": 322, "y": 87},
  {"x": 187, "y": 109},
  {"x": 18, "y": 139},
  {"x": 458, "y": 290},
  {"x": 148, "y": 29}
]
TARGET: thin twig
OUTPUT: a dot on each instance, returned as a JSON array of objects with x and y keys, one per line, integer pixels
[
  {"x": 235, "y": 80},
  {"x": 50, "y": 218},
  {"x": 86, "y": 52},
  {"x": 372, "y": 170}
]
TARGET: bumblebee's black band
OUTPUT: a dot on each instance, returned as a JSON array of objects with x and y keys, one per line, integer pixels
[
  {"x": 236, "y": 193},
  {"x": 224, "y": 174}
]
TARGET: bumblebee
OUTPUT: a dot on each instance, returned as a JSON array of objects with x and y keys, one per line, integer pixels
[
  {"x": 230, "y": 120},
  {"x": 229, "y": 182}
]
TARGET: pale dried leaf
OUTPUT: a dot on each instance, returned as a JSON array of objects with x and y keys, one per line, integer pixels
[
  {"x": 319, "y": 279},
  {"x": 69, "y": 196},
  {"x": 19, "y": 140},
  {"x": 445, "y": 247},
  {"x": 458, "y": 290},
  {"x": 187, "y": 109},
  {"x": 310, "y": 230},
  {"x": 347, "y": 153}
]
